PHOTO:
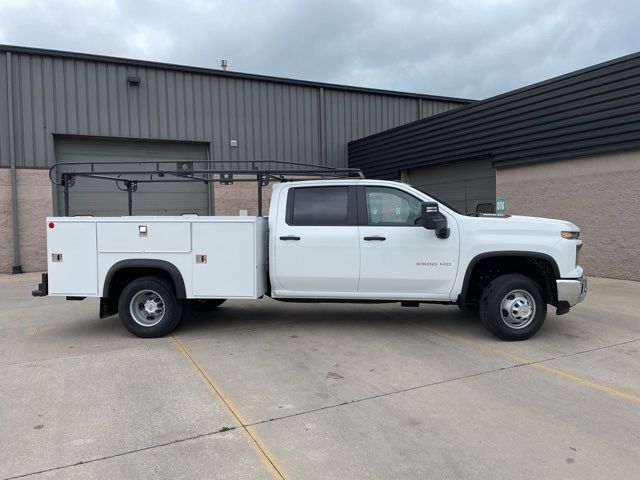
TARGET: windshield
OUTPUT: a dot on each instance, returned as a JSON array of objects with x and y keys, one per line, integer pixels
[{"x": 438, "y": 200}]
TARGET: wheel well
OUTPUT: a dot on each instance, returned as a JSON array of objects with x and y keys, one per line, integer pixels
[
  {"x": 123, "y": 273},
  {"x": 125, "y": 276},
  {"x": 486, "y": 269}
]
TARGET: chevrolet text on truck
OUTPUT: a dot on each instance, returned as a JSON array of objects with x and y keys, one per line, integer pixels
[{"x": 333, "y": 237}]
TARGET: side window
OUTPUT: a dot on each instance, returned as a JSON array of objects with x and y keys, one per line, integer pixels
[
  {"x": 388, "y": 206},
  {"x": 320, "y": 206}
]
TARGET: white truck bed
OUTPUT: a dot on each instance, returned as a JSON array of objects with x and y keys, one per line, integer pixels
[{"x": 82, "y": 250}]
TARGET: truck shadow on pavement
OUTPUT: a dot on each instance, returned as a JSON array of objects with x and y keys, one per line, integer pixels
[{"x": 245, "y": 316}]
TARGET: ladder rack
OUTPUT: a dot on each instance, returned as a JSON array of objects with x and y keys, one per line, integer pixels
[{"x": 64, "y": 174}]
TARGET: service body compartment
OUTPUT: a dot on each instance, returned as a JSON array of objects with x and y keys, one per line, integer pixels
[
  {"x": 148, "y": 234},
  {"x": 72, "y": 258},
  {"x": 217, "y": 257},
  {"x": 228, "y": 258}
]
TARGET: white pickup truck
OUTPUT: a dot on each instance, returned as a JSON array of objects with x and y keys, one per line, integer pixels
[{"x": 352, "y": 239}]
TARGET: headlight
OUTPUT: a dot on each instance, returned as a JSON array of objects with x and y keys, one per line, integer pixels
[{"x": 570, "y": 235}]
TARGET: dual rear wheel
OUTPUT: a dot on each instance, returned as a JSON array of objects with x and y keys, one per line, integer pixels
[{"x": 149, "y": 308}]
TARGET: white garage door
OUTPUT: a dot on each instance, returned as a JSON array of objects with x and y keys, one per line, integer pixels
[
  {"x": 102, "y": 198},
  {"x": 463, "y": 185}
]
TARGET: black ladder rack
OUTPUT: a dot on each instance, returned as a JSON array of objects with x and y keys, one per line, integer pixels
[{"x": 64, "y": 174}]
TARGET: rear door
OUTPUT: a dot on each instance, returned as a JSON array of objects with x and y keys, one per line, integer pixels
[{"x": 317, "y": 247}]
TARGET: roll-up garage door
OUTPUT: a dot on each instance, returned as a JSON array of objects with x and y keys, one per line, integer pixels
[
  {"x": 463, "y": 185},
  {"x": 90, "y": 196}
]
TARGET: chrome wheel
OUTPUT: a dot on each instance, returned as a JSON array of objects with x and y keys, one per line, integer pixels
[
  {"x": 518, "y": 308},
  {"x": 147, "y": 308}
]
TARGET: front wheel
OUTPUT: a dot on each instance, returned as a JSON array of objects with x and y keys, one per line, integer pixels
[
  {"x": 513, "y": 307},
  {"x": 148, "y": 307}
]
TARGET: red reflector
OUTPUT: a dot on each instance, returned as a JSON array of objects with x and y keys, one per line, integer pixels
[{"x": 51, "y": 224}]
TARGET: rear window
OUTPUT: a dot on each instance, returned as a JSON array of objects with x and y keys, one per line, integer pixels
[{"x": 320, "y": 206}]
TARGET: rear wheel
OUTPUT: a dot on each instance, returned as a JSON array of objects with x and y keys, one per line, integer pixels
[
  {"x": 513, "y": 307},
  {"x": 205, "y": 305},
  {"x": 148, "y": 307}
]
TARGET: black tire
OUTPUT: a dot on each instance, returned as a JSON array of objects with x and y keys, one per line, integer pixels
[
  {"x": 498, "y": 320},
  {"x": 205, "y": 305},
  {"x": 163, "y": 320}
]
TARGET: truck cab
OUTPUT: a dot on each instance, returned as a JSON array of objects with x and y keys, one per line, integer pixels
[{"x": 359, "y": 240}]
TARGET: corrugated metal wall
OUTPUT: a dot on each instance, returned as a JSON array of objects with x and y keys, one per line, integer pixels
[
  {"x": 588, "y": 112},
  {"x": 270, "y": 120}
]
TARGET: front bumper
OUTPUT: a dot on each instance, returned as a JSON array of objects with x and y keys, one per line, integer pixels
[{"x": 571, "y": 292}]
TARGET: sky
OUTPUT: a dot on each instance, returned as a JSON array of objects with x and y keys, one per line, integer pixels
[{"x": 467, "y": 49}]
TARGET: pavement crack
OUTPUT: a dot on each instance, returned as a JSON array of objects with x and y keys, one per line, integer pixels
[
  {"x": 386, "y": 394},
  {"x": 256, "y": 441},
  {"x": 441, "y": 382},
  {"x": 122, "y": 454},
  {"x": 595, "y": 349}
]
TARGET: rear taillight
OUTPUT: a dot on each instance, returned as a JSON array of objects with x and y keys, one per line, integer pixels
[{"x": 51, "y": 224}]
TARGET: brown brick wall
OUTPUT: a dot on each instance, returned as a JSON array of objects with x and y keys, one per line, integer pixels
[
  {"x": 600, "y": 194},
  {"x": 6, "y": 241},
  {"x": 34, "y": 205},
  {"x": 230, "y": 199}
]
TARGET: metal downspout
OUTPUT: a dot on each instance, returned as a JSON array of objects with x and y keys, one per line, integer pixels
[
  {"x": 17, "y": 268},
  {"x": 321, "y": 127}
]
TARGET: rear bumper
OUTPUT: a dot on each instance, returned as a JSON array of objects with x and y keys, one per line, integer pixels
[
  {"x": 571, "y": 292},
  {"x": 43, "y": 287}
]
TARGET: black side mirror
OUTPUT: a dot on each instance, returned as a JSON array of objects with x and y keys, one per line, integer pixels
[
  {"x": 432, "y": 219},
  {"x": 485, "y": 208}
]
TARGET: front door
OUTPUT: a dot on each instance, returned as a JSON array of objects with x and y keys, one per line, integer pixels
[
  {"x": 398, "y": 257},
  {"x": 317, "y": 246}
]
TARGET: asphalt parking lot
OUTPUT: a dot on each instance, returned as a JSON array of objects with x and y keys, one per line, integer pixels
[{"x": 275, "y": 390}]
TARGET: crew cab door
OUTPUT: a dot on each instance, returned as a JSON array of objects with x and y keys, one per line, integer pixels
[
  {"x": 398, "y": 257},
  {"x": 317, "y": 249}
]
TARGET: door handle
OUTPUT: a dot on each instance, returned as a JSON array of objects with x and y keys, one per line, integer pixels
[
  {"x": 376, "y": 238},
  {"x": 290, "y": 237}
]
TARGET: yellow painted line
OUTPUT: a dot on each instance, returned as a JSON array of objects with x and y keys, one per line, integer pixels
[
  {"x": 609, "y": 310},
  {"x": 530, "y": 363},
  {"x": 473, "y": 343},
  {"x": 258, "y": 444},
  {"x": 588, "y": 383},
  {"x": 36, "y": 330}
]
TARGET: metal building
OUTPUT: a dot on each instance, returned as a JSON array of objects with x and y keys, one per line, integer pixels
[
  {"x": 568, "y": 147},
  {"x": 60, "y": 106}
]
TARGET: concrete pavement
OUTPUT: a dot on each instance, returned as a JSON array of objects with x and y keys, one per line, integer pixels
[{"x": 275, "y": 390}]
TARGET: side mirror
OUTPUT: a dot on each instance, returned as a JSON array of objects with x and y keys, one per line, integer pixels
[
  {"x": 432, "y": 219},
  {"x": 485, "y": 208}
]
